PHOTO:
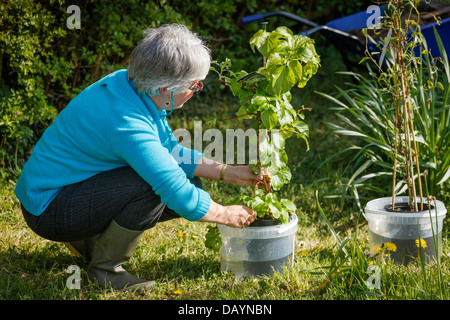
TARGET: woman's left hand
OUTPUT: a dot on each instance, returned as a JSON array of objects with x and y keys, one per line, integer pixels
[{"x": 241, "y": 175}]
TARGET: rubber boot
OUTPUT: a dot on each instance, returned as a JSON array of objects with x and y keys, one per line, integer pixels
[
  {"x": 113, "y": 248},
  {"x": 83, "y": 248}
]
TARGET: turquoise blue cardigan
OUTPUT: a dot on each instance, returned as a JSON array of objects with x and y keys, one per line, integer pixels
[{"x": 109, "y": 125}]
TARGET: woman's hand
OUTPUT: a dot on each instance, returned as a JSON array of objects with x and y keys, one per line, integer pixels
[
  {"x": 241, "y": 175},
  {"x": 235, "y": 216}
]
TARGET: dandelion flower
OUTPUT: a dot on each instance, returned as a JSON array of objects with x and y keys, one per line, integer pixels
[
  {"x": 421, "y": 243},
  {"x": 177, "y": 292},
  {"x": 181, "y": 234},
  {"x": 390, "y": 246}
]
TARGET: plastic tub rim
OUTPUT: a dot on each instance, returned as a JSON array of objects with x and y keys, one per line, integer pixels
[
  {"x": 372, "y": 209},
  {"x": 262, "y": 232}
]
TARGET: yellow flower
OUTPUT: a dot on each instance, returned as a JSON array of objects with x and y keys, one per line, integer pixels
[
  {"x": 177, "y": 292},
  {"x": 421, "y": 243},
  {"x": 390, "y": 246}
]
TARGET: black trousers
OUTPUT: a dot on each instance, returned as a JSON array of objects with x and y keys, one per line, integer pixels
[{"x": 84, "y": 209}]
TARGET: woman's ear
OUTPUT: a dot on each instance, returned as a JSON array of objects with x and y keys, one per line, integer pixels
[{"x": 164, "y": 92}]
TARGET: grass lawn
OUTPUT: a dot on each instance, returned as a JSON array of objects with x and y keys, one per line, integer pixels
[{"x": 173, "y": 253}]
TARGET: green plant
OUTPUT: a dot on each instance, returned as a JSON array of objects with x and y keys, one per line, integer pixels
[
  {"x": 410, "y": 94},
  {"x": 400, "y": 80},
  {"x": 289, "y": 60},
  {"x": 264, "y": 95},
  {"x": 398, "y": 83}
]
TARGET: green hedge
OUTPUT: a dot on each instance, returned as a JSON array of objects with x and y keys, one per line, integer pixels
[{"x": 44, "y": 64}]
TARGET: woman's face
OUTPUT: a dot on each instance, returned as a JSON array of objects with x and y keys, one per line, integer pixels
[
  {"x": 181, "y": 98},
  {"x": 178, "y": 99}
]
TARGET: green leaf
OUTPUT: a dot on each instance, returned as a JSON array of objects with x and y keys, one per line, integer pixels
[
  {"x": 301, "y": 127},
  {"x": 258, "y": 40},
  {"x": 363, "y": 59},
  {"x": 283, "y": 79},
  {"x": 274, "y": 159},
  {"x": 256, "y": 203},
  {"x": 273, "y": 45},
  {"x": 285, "y": 32},
  {"x": 297, "y": 69},
  {"x": 364, "y": 32},
  {"x": 277, "y": 139},
  {"x": 280, "y": 177},
  {"x": 260, "y": 102},
  {"x": 242, "y": 110},
  {"x": 289, "y": 205},
  {"x": 286, "y": 117},
  {"x": 269, "y": 118},
  {"x": 252, "y": 78},
  {"x": 213, "y": 240},
  {"x": 284, "y": 216}
]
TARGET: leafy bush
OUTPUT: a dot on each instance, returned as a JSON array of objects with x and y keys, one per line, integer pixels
[{"x": 265, "y": 97}]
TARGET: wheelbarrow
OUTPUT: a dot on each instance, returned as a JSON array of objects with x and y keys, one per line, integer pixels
[{"x": 345, "y": 33}]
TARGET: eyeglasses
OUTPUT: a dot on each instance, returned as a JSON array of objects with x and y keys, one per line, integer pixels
[{"x": 197, "y": 87}]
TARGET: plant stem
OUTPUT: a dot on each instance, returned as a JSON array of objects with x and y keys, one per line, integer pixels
[
  {"x": 396, "y": 125},
  {"x": 258, "y": 140},
  {"x": 410, "y": 152},
  {"x": 409, "y": 131}
]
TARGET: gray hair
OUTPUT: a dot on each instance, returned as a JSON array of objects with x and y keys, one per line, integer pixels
[{"x": 169, "y": 56}]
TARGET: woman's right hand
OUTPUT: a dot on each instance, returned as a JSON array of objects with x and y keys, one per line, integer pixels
[{"x": 236, "y": 216}]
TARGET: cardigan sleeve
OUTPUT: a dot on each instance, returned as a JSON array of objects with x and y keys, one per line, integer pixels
[{"x": 136, "y": 141}]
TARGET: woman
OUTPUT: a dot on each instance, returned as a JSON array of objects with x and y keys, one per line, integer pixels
[{"x": 109, "y": 167}]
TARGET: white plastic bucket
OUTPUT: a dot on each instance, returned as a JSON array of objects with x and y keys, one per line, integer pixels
[
  {"x": 404, "y": 228},
  {"x": 258, "y": 250}
]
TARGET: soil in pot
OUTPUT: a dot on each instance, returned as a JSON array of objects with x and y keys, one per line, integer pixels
[
  {"x": 264, "y": 222},
  {"x": 405, "y": 207}
]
